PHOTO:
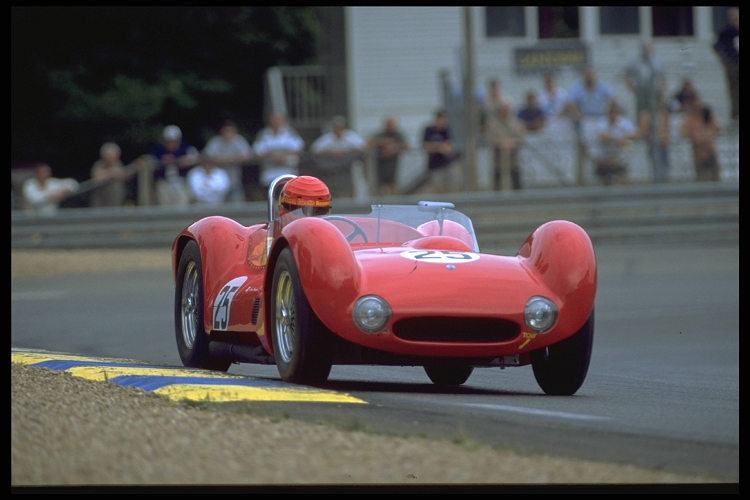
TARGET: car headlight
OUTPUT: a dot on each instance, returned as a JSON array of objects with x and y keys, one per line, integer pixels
[
  {"x": 371, "y": 313},
  {"x": 540, "y": 314}
]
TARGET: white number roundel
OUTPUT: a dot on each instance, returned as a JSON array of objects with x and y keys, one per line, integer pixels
[{"x": 440, "y": 256}]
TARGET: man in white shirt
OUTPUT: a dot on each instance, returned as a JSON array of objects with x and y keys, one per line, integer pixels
[
  {"x": 230, "y": 151},
  {"x": 615, "y": 134},
  {"x": 279, "y": 147},
  {"x": 552, "y": 99},
  {"x": 335, "y": 152},
  {"x": 208, "y": 184},
  {"x": 43, "y": 193}
]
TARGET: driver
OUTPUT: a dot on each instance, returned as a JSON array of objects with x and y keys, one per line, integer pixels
[{"x": 307, "y": 193}]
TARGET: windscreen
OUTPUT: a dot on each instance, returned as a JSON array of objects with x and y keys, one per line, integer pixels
[{"x": 397, "y": 224}]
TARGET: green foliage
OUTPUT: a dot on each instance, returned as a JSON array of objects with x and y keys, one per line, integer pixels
[{"x": 81, "y": 76}]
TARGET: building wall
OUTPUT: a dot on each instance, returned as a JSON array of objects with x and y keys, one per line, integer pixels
[{"x": 395, "y": 56}]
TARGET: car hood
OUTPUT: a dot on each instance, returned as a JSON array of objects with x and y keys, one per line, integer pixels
[{"x": 440, "y": 280}]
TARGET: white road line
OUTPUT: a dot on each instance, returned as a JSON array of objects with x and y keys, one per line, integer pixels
[{"x": 535, "y": 411}]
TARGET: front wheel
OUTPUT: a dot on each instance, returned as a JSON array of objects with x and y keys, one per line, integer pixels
[
  {"x": 448, "y": 373},
  {"x": 192, "y": 339},
  {"x": 561, "y": 368},
  {"x": 301, "y": 346}
]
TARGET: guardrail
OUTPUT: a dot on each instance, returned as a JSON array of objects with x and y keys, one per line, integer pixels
[{"x": 682, "y": 212}]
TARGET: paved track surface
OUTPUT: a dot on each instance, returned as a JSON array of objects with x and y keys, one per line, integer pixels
[{"x": 662, "y": 392}]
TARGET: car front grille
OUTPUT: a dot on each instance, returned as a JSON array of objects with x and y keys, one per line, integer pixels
[{"x": 456, "y": 330}]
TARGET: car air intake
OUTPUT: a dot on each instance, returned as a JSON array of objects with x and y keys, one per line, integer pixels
[{"x": 456, "y": 330}]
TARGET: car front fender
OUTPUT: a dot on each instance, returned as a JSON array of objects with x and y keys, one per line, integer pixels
[
  {"x": 561, "y": 255},
  {"x": 328, "y": 269}
]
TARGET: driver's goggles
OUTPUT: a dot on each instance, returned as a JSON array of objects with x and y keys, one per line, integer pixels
[
  {"x": 315, "y": 211},
  {"x": 308, "y": 210}
]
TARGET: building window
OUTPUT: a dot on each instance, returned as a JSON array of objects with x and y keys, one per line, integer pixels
[
  {"x": 558, "y": 22},
  {"x": 621, "y": 20},
  {"x": 672, "y": 21},
  {"x": 504, "y": 21}
]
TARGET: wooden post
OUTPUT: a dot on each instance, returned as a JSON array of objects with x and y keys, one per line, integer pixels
[
  {"x": 581, "y": 151},
  {"x": 505, "y": 166},
  {"x": 145, "y": 182}
]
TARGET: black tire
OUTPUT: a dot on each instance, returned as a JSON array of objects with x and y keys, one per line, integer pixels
[
  {"x": 560, "y": 369},
  {"x": 447, "y": 373},
  {"x": 192, "y": 339},
  {"x": 301, "y": 344}
]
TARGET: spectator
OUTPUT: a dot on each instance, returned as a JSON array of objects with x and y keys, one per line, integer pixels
[
  {"x": 389, "y": 143},
  {"x": 552, "y": 99},
  {"x": 505, "y": 135},
  {"x": 335, "y": 153},
  {"x": 278, "y": 146},
  {"x": 437, "y": 142},
  {"x": 615, "y": 133},
  {"x": 43, "y": 193},
  {"x": 586, "y": 107},
  {"x": 685, "y": 98},
  {"x": 208, "y": 183},
  {"x": 110, "y": 178},
  {"x": 229, "y": 151},
  {"x": 644, "y": 76},
  {"x": 701, "y": 127},
  {"x": 173, "y": 158},
  {"x": 589, "y": 97},
  {"x": 531, "y": 115},
  {"x": 657, "y": 133},
  {"x": 727, "y": 46},
  {"x": 496, "y": 96}
]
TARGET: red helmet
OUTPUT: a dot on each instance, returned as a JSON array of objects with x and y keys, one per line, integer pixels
[{"x": 305, "y": 192}]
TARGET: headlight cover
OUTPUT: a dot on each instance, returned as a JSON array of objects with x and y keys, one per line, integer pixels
[
  {"x": 539, "y": 314},
  {"x": 371, "y": 313}
]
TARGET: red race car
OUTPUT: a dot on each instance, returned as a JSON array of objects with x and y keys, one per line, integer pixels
[{"x": 403, "y": 285}]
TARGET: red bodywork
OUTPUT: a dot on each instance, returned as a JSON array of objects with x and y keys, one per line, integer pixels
[{"x": 441, "y": 292}]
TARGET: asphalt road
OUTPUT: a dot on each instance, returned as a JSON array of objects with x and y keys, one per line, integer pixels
[{"x": 662, "y": 389}]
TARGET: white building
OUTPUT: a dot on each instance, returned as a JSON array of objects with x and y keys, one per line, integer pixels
[{"x": 394, "y": 57}]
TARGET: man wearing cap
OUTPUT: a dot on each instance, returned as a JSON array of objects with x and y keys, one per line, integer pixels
[{"x": 173, "y": 157}]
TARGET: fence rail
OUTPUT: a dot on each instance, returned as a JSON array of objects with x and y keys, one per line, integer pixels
[{"x": 688, "y": 212}]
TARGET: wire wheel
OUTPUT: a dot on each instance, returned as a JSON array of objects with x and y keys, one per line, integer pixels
[
  {"x": 192, "y": 338},
  {"x": 301, "y": 344},
  {"x": 286, "y": 317},
  {"x": 189, "y": 305}
]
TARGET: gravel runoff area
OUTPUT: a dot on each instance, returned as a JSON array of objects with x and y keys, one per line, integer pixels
[{"x": 68, "y": 431}]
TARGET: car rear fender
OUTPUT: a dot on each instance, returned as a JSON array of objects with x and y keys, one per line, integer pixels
[
  {"x": 223, "y": 245},
  {"x": 560, "y": 254}
]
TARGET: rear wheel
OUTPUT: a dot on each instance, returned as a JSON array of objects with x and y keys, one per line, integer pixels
[
  {"x": 192, "y": 339},
  {"x": 448, "y": 373},
  {"x": 561, "y": 368},
  {"x": 301, "y": 345}
]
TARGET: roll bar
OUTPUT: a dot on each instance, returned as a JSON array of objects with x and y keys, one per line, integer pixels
[{"x": 275, "y": 185}]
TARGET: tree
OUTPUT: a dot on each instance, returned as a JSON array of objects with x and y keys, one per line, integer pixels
[{"x": 81, "y": 76}]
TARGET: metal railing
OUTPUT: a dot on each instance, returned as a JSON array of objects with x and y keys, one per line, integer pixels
[
  {"x": 679, "y": 212},
  {"x": 300, "y": 92}
]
